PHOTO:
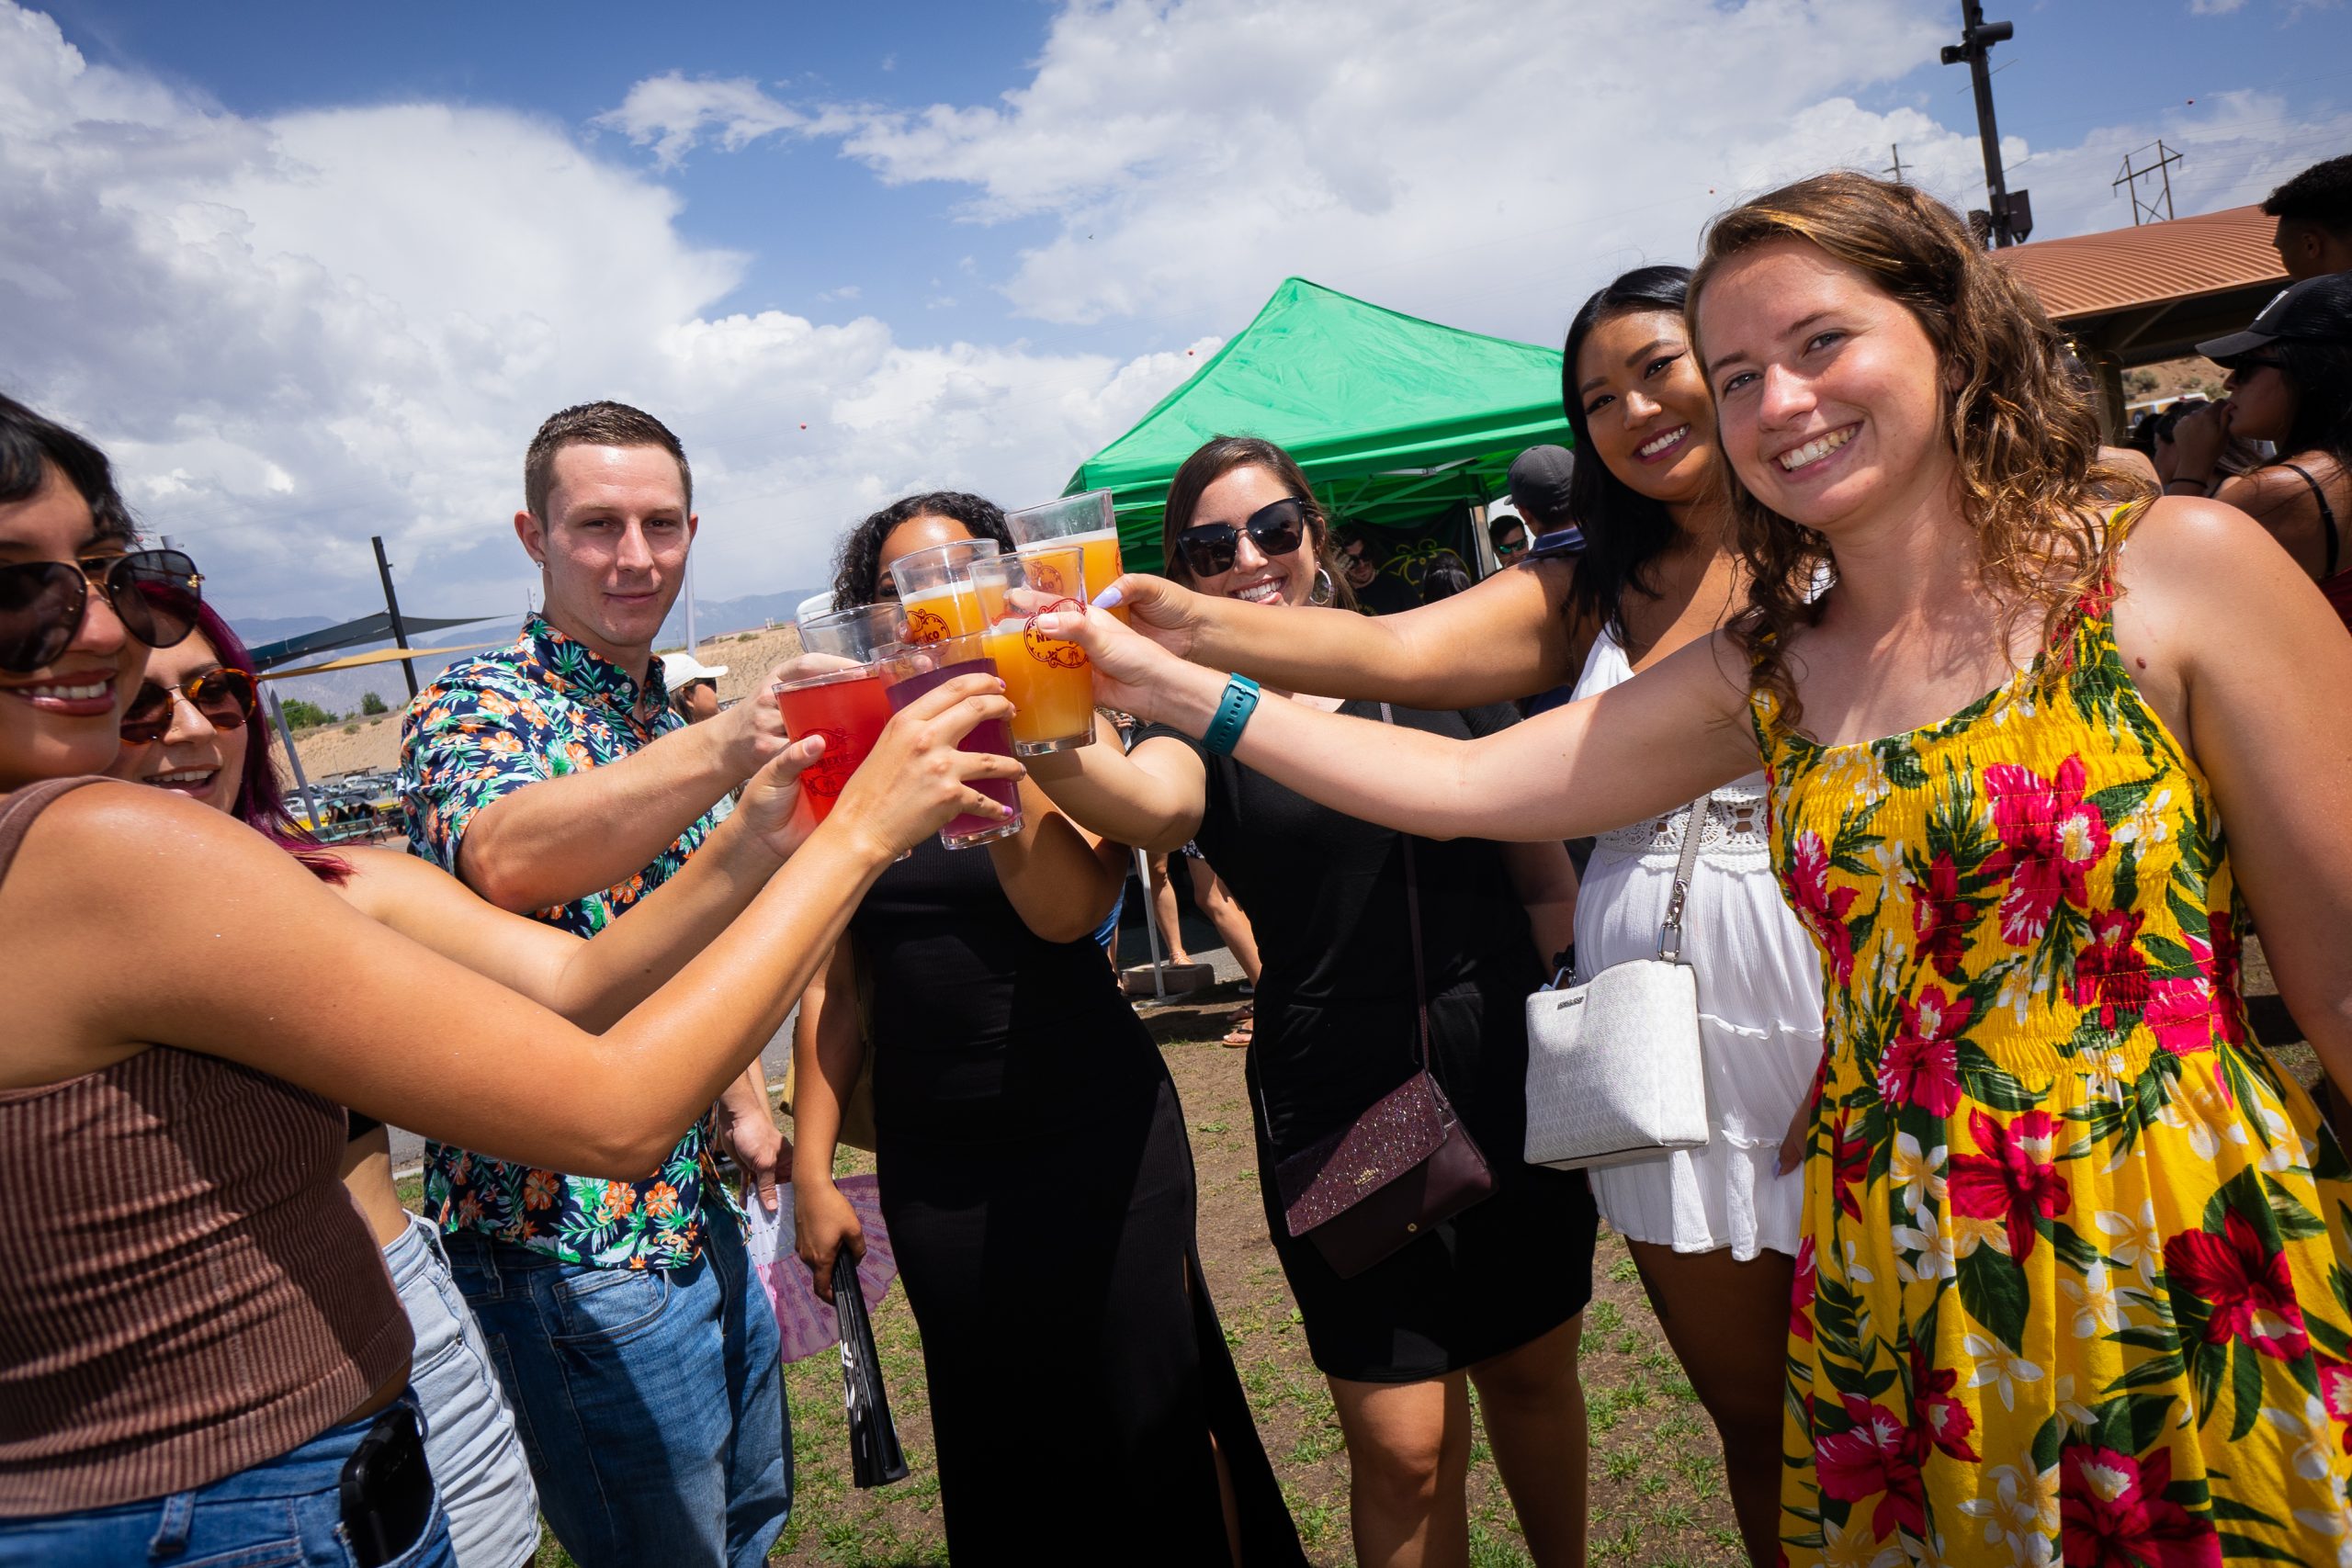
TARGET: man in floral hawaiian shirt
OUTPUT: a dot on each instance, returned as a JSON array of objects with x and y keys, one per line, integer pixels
[{"x": 555, "y": 779}]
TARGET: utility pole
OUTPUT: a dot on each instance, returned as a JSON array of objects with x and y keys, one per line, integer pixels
[
  {"x": 1895, "y": 174},
  {"x": 392, "y": 609},
  {"x": 2011, "y": 214},
  {"x": 2131, "y": 177}
]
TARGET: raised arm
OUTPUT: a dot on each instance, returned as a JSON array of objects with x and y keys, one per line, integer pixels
[
  {"x": 2264, "y": 665},
  {"x": 1061, "y": 878},
  {"x": 1507, "y": 638},
  {"x": 1151, "y": 797},
  {"x": 315, "y": 992},
  {"x": 549, "y": 839},
  {"x": 1654, "y": 742},
  {"x": 594, "y": 983}
]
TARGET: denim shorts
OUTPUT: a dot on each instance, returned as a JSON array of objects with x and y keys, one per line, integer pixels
[
  {"x": 470, "y": 1439},
  {"x": 283, "y": 1513}
]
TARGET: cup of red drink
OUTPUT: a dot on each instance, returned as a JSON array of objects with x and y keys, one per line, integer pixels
[
  {"x": 845, "y": 705},
  {"x": 911, "y": 671}
]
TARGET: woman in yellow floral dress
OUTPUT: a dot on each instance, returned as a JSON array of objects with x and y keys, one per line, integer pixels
[{"x": 2074, "y": 1287}]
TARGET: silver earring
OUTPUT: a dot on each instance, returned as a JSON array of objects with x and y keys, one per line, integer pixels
[{"x": 1324, "y": 591}]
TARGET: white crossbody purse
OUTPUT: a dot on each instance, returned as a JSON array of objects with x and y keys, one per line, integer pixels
[{"x": 1615, "y": 1071}]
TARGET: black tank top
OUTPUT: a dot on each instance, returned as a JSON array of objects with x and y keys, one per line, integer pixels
[{"x": 974, "y": 1013}]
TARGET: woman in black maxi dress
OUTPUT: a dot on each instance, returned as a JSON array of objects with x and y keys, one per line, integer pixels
[
  {"x": 1493, "y": 1297},
  {"x": 1037, "y": 1183}
]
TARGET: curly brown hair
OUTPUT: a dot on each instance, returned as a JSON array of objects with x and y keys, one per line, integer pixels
[{"x": 2027, "y": 433}]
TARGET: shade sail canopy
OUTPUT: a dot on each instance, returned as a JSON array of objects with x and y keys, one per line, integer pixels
[
  {"x": 350, "y": 634},
  {"x": 1394, "y": 419},
  {"x": 381, "y": 656}
]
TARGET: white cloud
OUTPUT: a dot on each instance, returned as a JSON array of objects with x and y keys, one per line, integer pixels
[
  {"x": 673, "y": 114},
  {"x": 2235, "y": 148},
  {"x": 1193, "y": 151},
  {"x": 1466, "y": 162},
  {"x": 2214, "y": 7},
  {"x": 296, "y": 332}
]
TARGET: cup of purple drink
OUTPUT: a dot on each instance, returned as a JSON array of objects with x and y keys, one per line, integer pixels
[{"x": 912, "y": 671}]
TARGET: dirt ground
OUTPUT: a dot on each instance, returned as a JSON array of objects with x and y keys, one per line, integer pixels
[{"x": 358, "y": 745}]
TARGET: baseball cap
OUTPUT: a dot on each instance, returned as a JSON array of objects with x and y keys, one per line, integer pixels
[
  {"x": 677, "y": 668},
  {"x": 2317, "y": 309},
  {"x": 1539, "y": 485}
]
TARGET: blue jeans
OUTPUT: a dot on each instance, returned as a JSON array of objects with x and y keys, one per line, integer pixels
[
  {"x": 283, "y": 1513},
  {"x": 650, "y": 1402},
  {"x": 469, "y": 1439}
]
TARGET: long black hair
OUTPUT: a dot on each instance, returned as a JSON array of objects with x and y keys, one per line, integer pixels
[
  {"x": 2321, "y": 374},
  {"x": 1625, "y": 530},
  {"x": 857, "y": 570}
]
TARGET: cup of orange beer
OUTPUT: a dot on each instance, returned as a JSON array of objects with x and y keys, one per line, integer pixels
[
  {"x": 1049, "y": 681},
  {"x": 1086, "y": 521},
  {"x": 936, "y": 590}
]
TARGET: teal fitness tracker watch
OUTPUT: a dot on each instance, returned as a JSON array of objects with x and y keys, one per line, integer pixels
[{"x": 1233, "y": 711}]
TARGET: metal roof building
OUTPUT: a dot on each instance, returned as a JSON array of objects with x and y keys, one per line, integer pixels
[{"x": 2134, "y": 296}]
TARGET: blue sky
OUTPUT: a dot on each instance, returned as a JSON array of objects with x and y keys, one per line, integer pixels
[{"x": 315, "y": 272}]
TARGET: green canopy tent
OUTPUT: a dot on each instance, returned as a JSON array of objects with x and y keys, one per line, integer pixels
[{"x": 1396, "y": 421}]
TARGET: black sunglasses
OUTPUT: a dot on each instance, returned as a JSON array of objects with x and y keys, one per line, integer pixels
[
  {"x": 224, "y": 696},
  {"x": 1275, "y": 529},
  {"x": 41, "y": 603}
]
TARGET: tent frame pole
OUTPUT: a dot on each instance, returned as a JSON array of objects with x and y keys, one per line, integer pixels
[
  {"x": 301, "y": 785},
  {"x": 1151, "y": 928}
]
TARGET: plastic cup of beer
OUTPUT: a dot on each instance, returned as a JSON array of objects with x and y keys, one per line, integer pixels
[
  {"x": 1049, "y": 681},
  {"x": 936, "y": 590},
  {"x": 1086, "y": 521},
  {"x": 859, "y": 633},
  {"x": 845, "y": 706},
  {"x": 913, "y": 669}
]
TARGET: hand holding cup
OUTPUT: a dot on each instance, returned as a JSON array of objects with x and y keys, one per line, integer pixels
[
  {"x": 1132, "y": 668},
  {"x": 915, "y": 781}
]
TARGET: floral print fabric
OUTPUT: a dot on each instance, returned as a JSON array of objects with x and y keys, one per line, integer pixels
[
  {"x": 543, "y": 706},
  {"x": 2071, "y": 1285}
]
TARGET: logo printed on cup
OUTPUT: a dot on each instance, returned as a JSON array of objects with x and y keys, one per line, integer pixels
[
  {"x": 827, "y": 775},
  {"x": 926, "y": 625},
  {"x": 1050, "y": 650}
]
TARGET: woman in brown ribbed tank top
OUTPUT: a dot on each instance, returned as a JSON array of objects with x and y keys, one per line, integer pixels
[{"x": 195, "y": 1323}]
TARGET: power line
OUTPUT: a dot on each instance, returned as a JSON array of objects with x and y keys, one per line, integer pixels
[{"x": 2159, "y": 207}]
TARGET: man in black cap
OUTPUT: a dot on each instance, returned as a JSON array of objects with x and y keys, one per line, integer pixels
[
  {"x": 1539, "y": 489},
  {"x": 2314, "y": 213}
]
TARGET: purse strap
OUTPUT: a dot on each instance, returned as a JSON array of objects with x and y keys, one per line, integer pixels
[
  {"x": 1413, "y": 915},
  {"x": 1694, "y": 825}
]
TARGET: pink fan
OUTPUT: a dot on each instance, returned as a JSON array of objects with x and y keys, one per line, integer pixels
[{"x": 808, "y": 1325}]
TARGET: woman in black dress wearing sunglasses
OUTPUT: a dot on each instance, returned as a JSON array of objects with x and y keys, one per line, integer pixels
[
  {"x": 1494, "y": 1296},
  {"x": 1035, "y": 1180}
]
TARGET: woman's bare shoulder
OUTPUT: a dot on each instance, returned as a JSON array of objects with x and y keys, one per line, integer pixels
[
  {"x": 114, "y": 837},
  {"x": 2192, "y": 568}
]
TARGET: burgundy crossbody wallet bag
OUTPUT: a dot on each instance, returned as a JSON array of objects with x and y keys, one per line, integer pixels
[{"x": 1404, "y": 1166}]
